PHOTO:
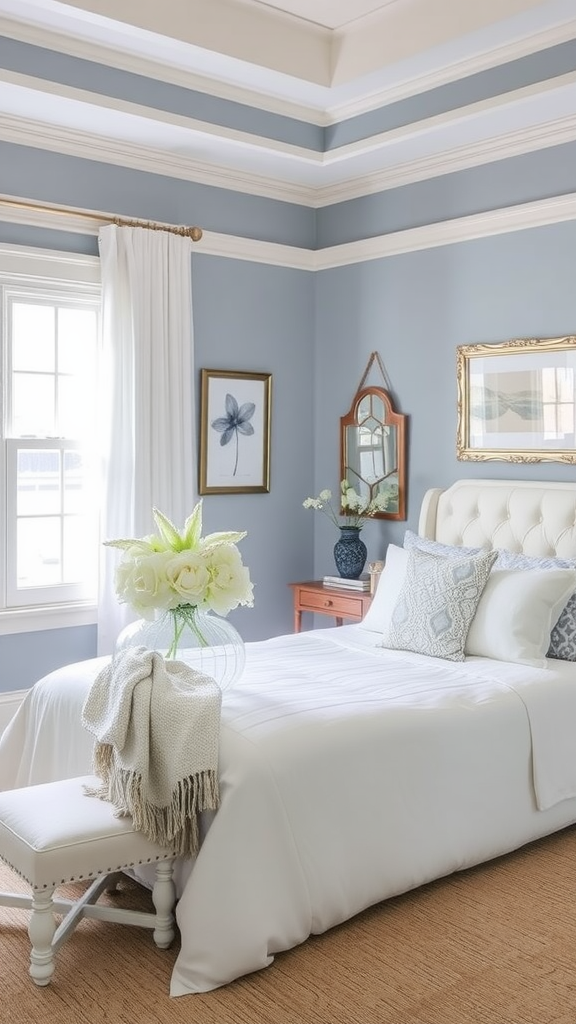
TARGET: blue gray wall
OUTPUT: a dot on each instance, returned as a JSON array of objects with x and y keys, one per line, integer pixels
[{"x": 415, "y": 309}]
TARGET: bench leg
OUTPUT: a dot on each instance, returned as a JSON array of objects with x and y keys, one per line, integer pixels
[
  {"x": 41, "y": 930},
  {"x": 164, "y": 898}
]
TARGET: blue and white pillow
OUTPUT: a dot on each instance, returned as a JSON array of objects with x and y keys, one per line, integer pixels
[
  {"x": 437, "y": 602},
  {"x": 563, "y": 635}
]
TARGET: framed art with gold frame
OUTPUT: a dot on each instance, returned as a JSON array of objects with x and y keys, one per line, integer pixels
[
  {"x": 517, "y": 400},
  {"x": 234, "y": 432}
]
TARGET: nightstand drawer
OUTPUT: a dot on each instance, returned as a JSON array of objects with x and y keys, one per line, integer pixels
[
  {"x": 332, "y": 603},
  {"x": 314, "y": 597}
]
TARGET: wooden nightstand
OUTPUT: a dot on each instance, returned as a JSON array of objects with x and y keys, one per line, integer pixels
[{"x": 341, "y": 604}]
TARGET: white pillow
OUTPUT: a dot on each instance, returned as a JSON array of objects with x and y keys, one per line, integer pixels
[
  {"x": 379, "y": 614},
  {"x": 517, "y": 612}
]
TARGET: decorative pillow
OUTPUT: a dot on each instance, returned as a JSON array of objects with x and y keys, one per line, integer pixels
[
  {"x": 434, "y": 547},
  {"x": 516, "y": 613},
  {"x": 563, "y": 635},
  {"x": 437, "y": 602},
  {"x": 378, "y": 616}
]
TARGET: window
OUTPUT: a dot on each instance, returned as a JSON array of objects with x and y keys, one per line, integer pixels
[{"x": 49, "y": 341}]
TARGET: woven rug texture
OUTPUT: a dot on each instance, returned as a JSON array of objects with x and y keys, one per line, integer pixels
[{"x": 492, "y": 945}]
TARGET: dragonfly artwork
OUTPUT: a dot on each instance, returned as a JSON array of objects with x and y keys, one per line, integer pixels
[
  {"x": 517, "y": 400},
  {"x": 235, "y": 422},
  {"x": 491, "y": 404}
]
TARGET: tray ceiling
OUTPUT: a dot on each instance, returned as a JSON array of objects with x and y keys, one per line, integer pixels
[{"x": 321, "y": 61}]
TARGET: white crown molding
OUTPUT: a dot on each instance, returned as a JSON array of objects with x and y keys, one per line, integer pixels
[
  {"x": 321, "y": 113},
  {"x": 453, "y": 72},
  {"x": 452, "y": 232},
  {"x": 517, "y": 143},
  {"x": 124, "y": 60},
  {"x": 85, "y": 145},
  {"x": 94, "y": 101},
  {"x": 462, "y": 229}
]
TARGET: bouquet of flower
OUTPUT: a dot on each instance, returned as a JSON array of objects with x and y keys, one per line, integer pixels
[
  {"x": 182, "y": 571},
  {"x": 355, "y": 508}
]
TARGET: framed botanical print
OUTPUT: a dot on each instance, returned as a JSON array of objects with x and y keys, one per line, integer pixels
[
  {"x": 517, "y": 400},
  {"x": 235, "y": 432}
]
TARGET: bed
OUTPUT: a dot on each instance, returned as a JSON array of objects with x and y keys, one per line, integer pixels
[{"x": 352, "y": 771}]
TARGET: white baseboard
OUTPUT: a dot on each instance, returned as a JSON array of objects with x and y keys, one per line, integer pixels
[{"x": 9, "y": 704}]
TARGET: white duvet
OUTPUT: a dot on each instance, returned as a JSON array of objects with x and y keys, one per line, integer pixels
[{"x": 349, "y": 774}]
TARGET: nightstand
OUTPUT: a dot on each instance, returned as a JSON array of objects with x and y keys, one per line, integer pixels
[{"x": 341, "y": 604}]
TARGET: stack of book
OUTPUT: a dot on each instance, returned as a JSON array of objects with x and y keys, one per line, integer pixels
[{"x": 363, "y": 583}]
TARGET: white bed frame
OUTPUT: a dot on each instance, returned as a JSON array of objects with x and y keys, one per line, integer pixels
[{"x": 533, "y": 517}]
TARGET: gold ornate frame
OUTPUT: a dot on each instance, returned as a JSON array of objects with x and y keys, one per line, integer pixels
[
  {"x": 517, "y": 400},
  {"x": 234, "y": 432}
]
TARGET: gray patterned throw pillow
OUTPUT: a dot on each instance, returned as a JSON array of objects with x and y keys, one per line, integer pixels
[
  {"x": 437, "y": 602},
  {"x": 563, "y": 635}
]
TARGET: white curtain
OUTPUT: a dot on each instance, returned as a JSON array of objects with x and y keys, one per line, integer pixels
[{"x": 146, "y": 395}]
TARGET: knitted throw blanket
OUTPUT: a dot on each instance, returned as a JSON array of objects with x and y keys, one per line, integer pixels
[{"x": 157, "y": 727}]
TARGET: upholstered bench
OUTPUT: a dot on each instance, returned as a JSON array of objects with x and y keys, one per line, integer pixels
[{"x": 53, "y": 834}]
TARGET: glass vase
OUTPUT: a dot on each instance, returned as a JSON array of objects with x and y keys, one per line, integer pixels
[
  {"x": 350, "y": 553},
  {"x": 202, "y": 640}
]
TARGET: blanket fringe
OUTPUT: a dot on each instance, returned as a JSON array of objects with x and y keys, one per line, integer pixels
[{"x": 176, "y": 824}]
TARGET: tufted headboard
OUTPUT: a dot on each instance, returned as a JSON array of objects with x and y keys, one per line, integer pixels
[{"x": 533, "y": 517}]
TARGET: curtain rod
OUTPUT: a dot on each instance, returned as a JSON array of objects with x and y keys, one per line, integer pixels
[{"x": 194, "y": 233}]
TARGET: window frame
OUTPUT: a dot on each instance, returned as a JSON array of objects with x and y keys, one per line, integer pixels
[{"x": 39, "y": 273}]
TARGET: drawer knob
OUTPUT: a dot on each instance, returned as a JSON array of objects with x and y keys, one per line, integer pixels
[{"x": 328, "y": 604}]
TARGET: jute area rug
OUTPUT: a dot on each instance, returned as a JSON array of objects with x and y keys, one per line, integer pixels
[{"x": 493, "y": 945}]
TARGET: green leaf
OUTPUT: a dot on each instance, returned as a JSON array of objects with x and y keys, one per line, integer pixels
[
  {"x": 213, "y": 540},
  {"x": 167, "y": 531},
  {"x": 193, "y": 527},
  {"x": 125, "y": 545}
]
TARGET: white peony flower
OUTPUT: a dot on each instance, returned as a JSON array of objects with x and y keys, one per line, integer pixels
[
  {"x": 141, "y": 582},
  {"x": 187, "y": 574},
  {"x": 229, "y": 584}
]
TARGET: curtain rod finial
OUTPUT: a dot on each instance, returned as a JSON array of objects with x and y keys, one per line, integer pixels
[{"x": 195, "y": 234}]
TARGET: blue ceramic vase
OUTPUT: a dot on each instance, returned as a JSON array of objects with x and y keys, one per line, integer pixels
[{"x": 350, "y": 553}]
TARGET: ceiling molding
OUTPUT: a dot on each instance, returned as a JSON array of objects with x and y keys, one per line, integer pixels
[
  {"x": 452, "y": 72},
  {"x": 323, "y": 111},
  {"x": 452, "y": 232},
  {"x": 85, "y": 145},
  {"x": 125, "y": 60},
  {"x": 461, "y": 158},
  {"x": 522, "y": 217}
]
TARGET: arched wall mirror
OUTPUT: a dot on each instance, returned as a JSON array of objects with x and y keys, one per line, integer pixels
[{"x": 373, "y": 449}]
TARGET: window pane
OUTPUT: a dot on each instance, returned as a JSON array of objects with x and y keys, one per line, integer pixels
[
  {"x": 38, "y": 552},
  {"x": 70, "y": 407},
  {"x": 75, "y": 483},
  {"x": 76, "y": 340},
  {"x": 38, "y": 482},
  {"x": 32, "y": 405},
  {"x": 32, "y": 336},
  {"x": 79, "y": 551}
]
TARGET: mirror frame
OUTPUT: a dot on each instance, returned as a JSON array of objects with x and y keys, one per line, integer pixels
[{"x": 392, "y": 418}]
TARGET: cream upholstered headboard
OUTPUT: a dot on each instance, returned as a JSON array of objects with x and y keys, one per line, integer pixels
[{"x": 533, "y": 517}]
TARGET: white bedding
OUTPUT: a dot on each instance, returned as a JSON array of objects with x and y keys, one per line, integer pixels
[{"x": 348, "y": 774}]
